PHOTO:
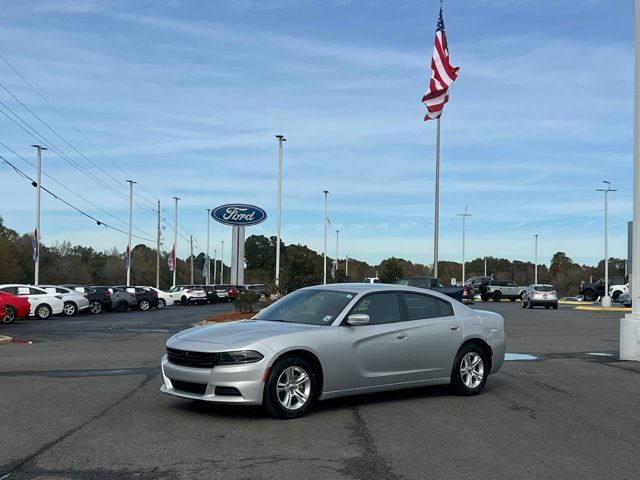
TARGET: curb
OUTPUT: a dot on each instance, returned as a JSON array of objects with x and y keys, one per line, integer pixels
[
  {"x": 5, "y": 340},
  {"x": 571, "y": 302},
  {"x": 604, "y": 309}
]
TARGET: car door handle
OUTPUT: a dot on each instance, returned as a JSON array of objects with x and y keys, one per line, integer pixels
[
  {"x": 401, "y": 336},
  {"x": 454, "y": 328}
]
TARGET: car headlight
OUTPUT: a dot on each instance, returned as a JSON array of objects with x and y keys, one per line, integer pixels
[{"x": 239, "y": 357}]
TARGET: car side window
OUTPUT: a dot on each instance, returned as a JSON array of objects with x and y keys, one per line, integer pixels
[
  {"x": 446, "y": 309},
  {"x": 11, "y": 290},
  {"x": 381, "y": 308},
  {"x": 404, "y": 282},
  {"x": 420, "y": 306}
]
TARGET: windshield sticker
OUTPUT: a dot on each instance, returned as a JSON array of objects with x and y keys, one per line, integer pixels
[
  {"x": 349, "y": 297},
  {"x": 327, "y": 318}
]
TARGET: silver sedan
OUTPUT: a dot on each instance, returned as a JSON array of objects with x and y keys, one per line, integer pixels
[{"x": 335, "y": 340}]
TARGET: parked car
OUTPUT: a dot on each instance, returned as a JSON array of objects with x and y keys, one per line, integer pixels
[
  {"x": 3, "y": 312},
  {"x": 624, "y": 299},
  {"x": 496, "y": 290},
  {"x": 475, "y": 283},
  {"x": 99, "y": 297},
  {"x": 540, "y": 295},
  {"x": 616, "y": 290},
  {"x": 121, "y": 300},
  {"x": 430, "y": 283},
  {"x": 232, "y": 292},
  {"x": 287, "y": 355},
  {"x": 186, "y": 294},
  {"x": 15, "y": 306},
  {"x": 591, "y": 291},
  {"x": 240, "y": 288},
  {"x": 222, "y": 294},
  {"x": 164, "y": 298},
  {"x": 42, "y": 304},
  {"x": 260, "y": 288},
  {"x": 74, "y": 301},
  {"x": 147, "y": 299}
]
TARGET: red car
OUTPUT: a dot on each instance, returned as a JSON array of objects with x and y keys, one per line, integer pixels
[
  {"x": 232, "y": 291},
  {"x": 15, "y": 306},
  {"x": 3, "y": 313}
]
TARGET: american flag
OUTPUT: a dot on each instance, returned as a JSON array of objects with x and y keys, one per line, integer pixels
[
  {"x": 171, "y": 259},
  {"x": 442, "y": 74},
  {"x": 35, "y": 245}
]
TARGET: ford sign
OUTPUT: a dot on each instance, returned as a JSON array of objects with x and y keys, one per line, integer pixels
[{"x": 239, "y": 214}]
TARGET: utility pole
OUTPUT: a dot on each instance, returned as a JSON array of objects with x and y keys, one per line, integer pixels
[
  {"x": 324, "y": 252},
  {"x": 606, "y": 300},
  {"x": 215, "y": 265},
  {"x": 280, "y": 140},
  {"x": 191, "y": 244},
  {"x": 535, "y": 260},
  {"x": 485, "y": 266},
  {"x": 131, "y": 182},
  {"x": 158, "y": 250},
  {"x": 337, "y": 263},
  {"x": 222, "y": 263},
  {"x": 175, "y": 243},
  {"x": 464, "y": 219},
  {"x": 346, "y": 265},
  {"x": 36, "y": 233},
  {"x": 207, "y": 258}
]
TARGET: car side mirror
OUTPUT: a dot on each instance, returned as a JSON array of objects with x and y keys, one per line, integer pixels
[{"x": 358, "y": 319}]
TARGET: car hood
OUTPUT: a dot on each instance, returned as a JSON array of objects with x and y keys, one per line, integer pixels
[{"x": 243, "y": 332}]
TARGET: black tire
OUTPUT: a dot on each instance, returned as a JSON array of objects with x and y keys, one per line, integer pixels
[
  {"x": 161, "y": 304},
  {"x": 590, "y": 296},
  {"x": 95, "y": 307},
  {"x": 547, "y": 307},
  {"x": 458, "y": 377},
  {"x": 122, "y": 306},
  {"x": 184, "y": 301},
  {"x": 272, "y": 402},
  {"x": 615, "y": 296},
  {"x": 10, "y": 314},
  {"x": 485, "y": 297},
  {"x": 555, "y": 306},
  {"x": 70, "y": 309},
  {"x": 530, "y": 305},
  {"x": 144, "y": 305},
  {"x": 497, "y": 296},
  {"x": 43, "y": 312}
]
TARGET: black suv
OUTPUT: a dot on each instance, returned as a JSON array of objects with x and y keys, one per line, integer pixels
[
  {"x": 591, "y": 291},
  {"x": 99, "y": 297},
  {"x": 146, "y": 298}
]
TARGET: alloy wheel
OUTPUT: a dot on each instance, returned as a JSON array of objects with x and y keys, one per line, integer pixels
[
  {"x": 472, "y": 370},
  {"x": 69, "y": 309},
  {"x": 95, "y": 307},
  {"x": 293, "y": 388}
]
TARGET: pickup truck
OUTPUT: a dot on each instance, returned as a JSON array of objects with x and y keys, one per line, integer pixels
[
  {"x": 616, "y": 290},
  {"x": 591, "y": 291},
  {"x": 430, "y": 283},
  {"x": 496, "y": 290}
]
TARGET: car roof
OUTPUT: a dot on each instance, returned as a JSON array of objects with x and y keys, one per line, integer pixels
[{"x": 371, "y": 287}]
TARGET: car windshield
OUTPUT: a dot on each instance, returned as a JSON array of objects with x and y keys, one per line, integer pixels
[{"x": 312, "y": 307}]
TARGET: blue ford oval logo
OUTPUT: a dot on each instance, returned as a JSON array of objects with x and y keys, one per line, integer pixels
[{"x": 239, "y": 214}]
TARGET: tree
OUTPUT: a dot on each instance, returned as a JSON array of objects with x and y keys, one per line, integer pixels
[{"x": 390, "y": 270}]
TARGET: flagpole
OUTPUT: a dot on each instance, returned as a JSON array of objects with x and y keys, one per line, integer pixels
[{"x": 436, "y": 217}]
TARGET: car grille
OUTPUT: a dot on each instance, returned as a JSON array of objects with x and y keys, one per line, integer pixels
[
  {"x": 190, "y": 387},
  {"x": 227, "y": 392},
  {"x": 192, "y": 359}
]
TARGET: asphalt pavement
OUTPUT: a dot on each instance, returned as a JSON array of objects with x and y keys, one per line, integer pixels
[{"x": 82, "y": 401}]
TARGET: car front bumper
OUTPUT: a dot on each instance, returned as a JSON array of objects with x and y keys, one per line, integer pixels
[{"x": 246, "y": 379}]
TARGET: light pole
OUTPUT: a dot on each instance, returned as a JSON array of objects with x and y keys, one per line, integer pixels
[
  {"x": 324, "y": 252},
  {"x": 208, "y": 259},
  {"x": 131, "y": 182},
  {"x": 464, "y": 221},
  {"x": 485, "y": 266},
  {"x": 337, "y": 237},
  {"x": 215, "y": 264},
  {"x": 535, "y": 260},
  {"x": 36, "y": 233},
  {"x": 222, "y": 262},
  {"x": 175, "y": 242},
  {"x": 606, "y": 300},
  {"x": 630, "y": 324},
  {"x": 280, "y": 140}
]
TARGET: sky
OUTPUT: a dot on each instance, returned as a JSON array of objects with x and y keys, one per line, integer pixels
[{"x": 186, "y": 96}]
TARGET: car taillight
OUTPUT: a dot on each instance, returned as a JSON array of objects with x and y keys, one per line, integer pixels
[
  {"x": 107, "y": 294},
  {"x": 85, "y": 295},
  {"x": 464, "y": 291}
]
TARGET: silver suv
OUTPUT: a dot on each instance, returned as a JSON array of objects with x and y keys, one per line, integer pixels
[{"x": 540, "y": 295}]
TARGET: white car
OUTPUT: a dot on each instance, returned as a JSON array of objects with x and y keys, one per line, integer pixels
[
  {"x": 616, "y": 290},
  {"x": 186, "y": 294},
  {"x": 43, "y": 304},
  {"x": 164, "y": 298},
  {"x": 74, "y": 301}
]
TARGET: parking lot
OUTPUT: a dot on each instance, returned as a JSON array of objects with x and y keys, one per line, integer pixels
[{"x": 82, "y": 401}]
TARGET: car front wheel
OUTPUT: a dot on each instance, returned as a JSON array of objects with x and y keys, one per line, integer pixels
[
  {"x": 161, "y": 303},
  {"x": 95, "y": 307},
  {"x": 470, "y": 370},
  {"x": 70, "y": 309},
  {"x": 290, "y": 388},
  {"x": 144, "y": 305},
  {"x": 43, "y": 312},
  {"x": 10, "y": 314}
]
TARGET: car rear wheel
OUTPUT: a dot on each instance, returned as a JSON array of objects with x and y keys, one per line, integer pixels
[
  {"x": 43, "y": 312},
  {"x": 485, "y": 297},
  {"x": 469, "y": 370},
  {"x": 95, "y": 307},
  {"x": 69, "y": 309},
  {"x": 122, "y": 306},
  {"x": 184, "y": 301},
  {"x": 589, "y": 296},
  {"x": 144, "y": 305},
  {"x": 497, "y": 296},
  {"x": 615, "y": 296},
  {"x": 290, "y": 388},
  {"x": 161, "y": 303},
  {"x": 10, "y": 314},
  {"x": 555, "y": 306}
]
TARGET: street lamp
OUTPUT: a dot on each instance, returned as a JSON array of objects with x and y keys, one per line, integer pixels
[
  {"x": 36, "y": 233},
  {"x": 324, "y": 252},
  {"x": 535, "y": 259},
  {"x": 606, "y": 300},
  {"x": 131, "y": 182},
  {"x": 464, "y": 219},
  {"x": 280, "y": 140}
]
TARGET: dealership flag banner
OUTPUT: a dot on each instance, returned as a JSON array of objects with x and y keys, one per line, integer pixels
[
  {"x": 205, "y": 267},
  {"x": 443, "y": 74},
  {"x": 35, "y": 245},
  {"x": 171, "y": 259},
  {"x": 126, "y": 256}
]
